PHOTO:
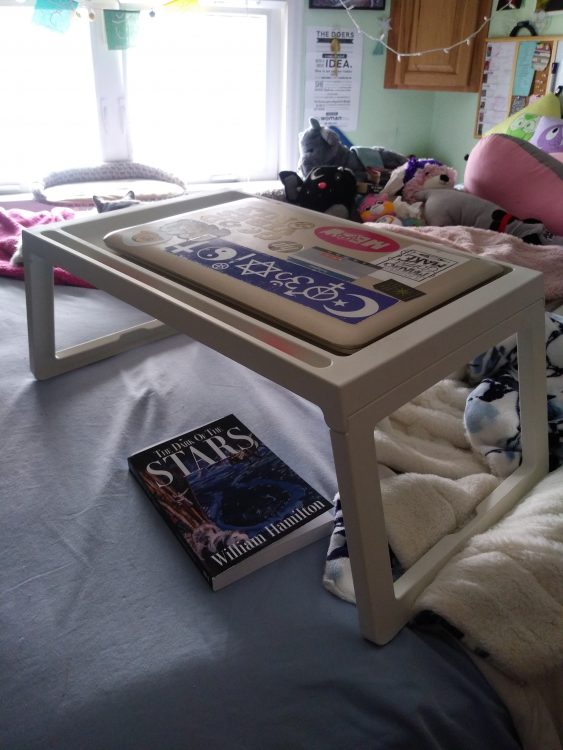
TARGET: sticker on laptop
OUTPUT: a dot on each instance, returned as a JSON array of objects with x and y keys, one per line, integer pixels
[
  {"x": 333, "y": 263},
  {"x": 357, "y": 239},
  {"x": 417, "y": 264},
  {"x": 312, "y": 288},
  {"x": 189, "y": 230},
  {"x": 398, "y": 289}
]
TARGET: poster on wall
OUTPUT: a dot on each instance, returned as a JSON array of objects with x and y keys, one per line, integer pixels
[{"x": 333, "y": 76}]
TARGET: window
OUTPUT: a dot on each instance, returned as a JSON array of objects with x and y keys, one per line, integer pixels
[
  {"x": 199, "y": 95},
  {"x": 203, "y": 93},
  {"x": 49, "y": 114}
]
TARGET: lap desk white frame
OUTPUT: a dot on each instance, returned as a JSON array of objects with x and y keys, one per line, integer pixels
[{"x": 354, "y": 391}]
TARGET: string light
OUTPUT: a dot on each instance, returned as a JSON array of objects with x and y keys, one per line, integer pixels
[{"x": 467, "y": 40}]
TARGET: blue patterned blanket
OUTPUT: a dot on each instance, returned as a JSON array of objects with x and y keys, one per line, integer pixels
[{"x": 492, "y": 415}]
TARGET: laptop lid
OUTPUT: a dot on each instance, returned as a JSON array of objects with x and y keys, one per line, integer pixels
[{"x": 337, "y": 283}]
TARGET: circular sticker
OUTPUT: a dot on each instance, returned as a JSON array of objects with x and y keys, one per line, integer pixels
[
  {"x": 298, "y": 224},
  {"x": 357, "y": 239},
  {"x": 285, "y": 246}
]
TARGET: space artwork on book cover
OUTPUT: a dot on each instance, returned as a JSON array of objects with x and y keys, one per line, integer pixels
[{"x": 229, "y": 499}]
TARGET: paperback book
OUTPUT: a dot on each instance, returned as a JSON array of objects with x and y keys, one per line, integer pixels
[{"x": 231, "y": 501}]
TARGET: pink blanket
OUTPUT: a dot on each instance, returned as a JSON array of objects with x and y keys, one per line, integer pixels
[
  {"x": 12, "y": 221},
  {"x": 503, "y": 247}
]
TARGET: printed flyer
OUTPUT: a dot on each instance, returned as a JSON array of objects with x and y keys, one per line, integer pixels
[{"x": 334, "y": 75}]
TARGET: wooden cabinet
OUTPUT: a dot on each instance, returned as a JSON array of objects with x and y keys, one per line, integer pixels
[{"x": 436, "y": 24}]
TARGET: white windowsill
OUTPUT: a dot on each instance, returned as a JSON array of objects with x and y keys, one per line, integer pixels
[{"x": 28, "y": 201}]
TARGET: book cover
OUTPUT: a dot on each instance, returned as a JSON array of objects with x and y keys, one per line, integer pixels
[{"x": 230, "y": 500}]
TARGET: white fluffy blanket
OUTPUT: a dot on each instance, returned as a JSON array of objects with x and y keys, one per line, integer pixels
[
  {"x": 431, "y": 480},
  {"x": 503, "y": 593},
  {"x": 511, "y": 574},
  {"x": 492, "y": 412},
  {"x": 440, "y": 455}
]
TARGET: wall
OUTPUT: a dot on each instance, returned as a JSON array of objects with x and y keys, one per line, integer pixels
[
  {"x": 454, "y": 114},
  {"x": 398, "y": 120},
  {"x": 438, "y": 124}
]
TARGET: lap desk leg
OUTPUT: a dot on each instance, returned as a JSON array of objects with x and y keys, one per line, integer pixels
[
  {"x": 383, "y": 606},
  {"x": 354, "y": 392}
]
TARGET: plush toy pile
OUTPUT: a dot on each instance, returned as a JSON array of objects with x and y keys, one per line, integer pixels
[
  {"x": 320, "y": 147},
  {"x": 429, "y": 186},
  {"x": 346, "y": 181},
  {"x": 417, "y": 174},
  {"x": 385, "y": 209}
]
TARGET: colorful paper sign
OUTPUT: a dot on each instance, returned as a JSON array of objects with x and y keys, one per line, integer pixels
[
  {"x": 122, "y": 27},
  {"x": 54, "y": 14}
]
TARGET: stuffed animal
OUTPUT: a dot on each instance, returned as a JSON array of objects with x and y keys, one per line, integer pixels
[
  {"x": 329, "y": 189},
  {"x": 320, "y": 146},
  {"x": 410, "y": 214},
  {"x": 417, "y": 174},
  {"x": 380, "y": 209},
  {"x": 374, "y": 206},
  {"x": 443, "y": 208},
  {"x": 425, "y": 182},
  {"x": 114, "y": 204}
]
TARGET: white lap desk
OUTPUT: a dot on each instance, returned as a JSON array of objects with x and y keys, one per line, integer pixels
[{"x": 354, "y": 392}]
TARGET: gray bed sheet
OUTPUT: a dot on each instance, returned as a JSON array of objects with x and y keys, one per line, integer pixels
[{"x": 109, "y": 636}]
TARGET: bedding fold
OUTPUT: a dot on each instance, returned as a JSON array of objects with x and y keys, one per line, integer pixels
[
  {"x": 504, "y": 590},
  {"x": 502, "y": 594},
  {"x": 12, "y": 222}
]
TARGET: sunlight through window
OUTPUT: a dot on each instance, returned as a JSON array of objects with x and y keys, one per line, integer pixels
[
  {"x": 196, "y": 87},
  {"x": 49, "y": 116}
]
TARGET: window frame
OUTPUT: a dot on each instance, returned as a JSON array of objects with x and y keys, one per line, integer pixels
[{"x": 284, "y": 39}]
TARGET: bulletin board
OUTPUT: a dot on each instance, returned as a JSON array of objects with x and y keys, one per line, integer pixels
[{"x": 516, "y": 70}]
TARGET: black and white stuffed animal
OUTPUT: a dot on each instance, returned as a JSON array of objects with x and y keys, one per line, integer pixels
[{"x": 328, "y": 189}]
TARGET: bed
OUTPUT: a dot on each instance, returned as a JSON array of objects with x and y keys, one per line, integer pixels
[{"x": 111, "y": 638}]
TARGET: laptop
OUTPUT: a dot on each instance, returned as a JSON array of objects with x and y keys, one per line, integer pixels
[{"x": 336, "y": 283}]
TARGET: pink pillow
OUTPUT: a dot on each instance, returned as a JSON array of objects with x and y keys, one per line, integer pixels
[{"x": 519, "y": 177}]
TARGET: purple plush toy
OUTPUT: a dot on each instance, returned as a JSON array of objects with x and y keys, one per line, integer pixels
[
  {"x": 417, "y": 174},
  {"x": 549, "y": 135}
]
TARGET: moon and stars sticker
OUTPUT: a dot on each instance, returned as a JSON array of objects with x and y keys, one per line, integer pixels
[{"x": 309, "y": 287}]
